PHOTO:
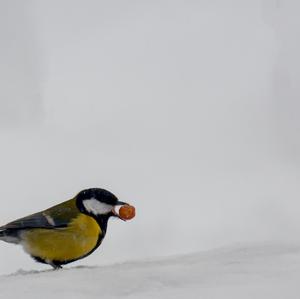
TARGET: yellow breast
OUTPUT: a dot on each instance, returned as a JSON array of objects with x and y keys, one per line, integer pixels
[{"x": 63, "y": 244}]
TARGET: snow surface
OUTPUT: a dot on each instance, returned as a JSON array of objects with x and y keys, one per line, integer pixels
[{"x": 264, "y": 271}]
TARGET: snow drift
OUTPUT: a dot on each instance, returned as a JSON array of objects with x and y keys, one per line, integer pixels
[{"x": 265, "y": 271}]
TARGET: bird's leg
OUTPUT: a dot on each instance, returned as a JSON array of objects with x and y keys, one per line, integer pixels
[{"x": 55, "y": 266}]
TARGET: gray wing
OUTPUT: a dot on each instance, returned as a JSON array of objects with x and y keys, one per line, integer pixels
[
  {"x": 55, "y": 217},
  {"x": 11, "y": 232},
  {"x": 58, "y": 216},
  {"x": 38, "y": 220}
]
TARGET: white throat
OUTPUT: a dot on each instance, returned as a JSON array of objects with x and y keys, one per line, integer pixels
[{"x": 96, "y": 207}]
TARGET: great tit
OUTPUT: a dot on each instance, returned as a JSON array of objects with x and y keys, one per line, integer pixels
[{"x": 66, "y": 232}]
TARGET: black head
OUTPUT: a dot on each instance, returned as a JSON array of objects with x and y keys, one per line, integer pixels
[{"x": 97, "y": 202}]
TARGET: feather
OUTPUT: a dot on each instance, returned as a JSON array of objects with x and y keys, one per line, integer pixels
[{"x": 55, "y": 217}]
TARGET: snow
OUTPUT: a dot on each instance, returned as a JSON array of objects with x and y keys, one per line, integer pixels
[{"x": 257, "y": 271}]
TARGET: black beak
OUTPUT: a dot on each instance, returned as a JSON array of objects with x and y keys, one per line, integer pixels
[{"x": 121, "y": 203}]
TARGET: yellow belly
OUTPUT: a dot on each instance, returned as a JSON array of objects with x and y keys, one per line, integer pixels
[{"x": 63, "y": 244}]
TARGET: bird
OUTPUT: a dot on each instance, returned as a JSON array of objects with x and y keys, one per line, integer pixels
[{"x": 66, "y": 232}]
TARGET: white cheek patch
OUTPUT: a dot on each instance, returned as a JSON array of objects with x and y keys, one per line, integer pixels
[{"x": 96, "y": 207}]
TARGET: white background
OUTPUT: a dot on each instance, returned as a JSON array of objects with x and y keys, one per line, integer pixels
[{"x": 189, "y": 110}]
